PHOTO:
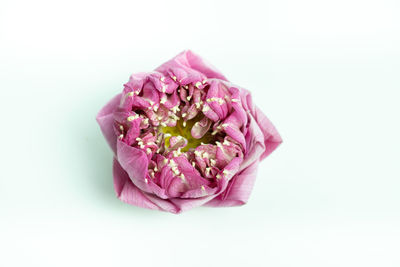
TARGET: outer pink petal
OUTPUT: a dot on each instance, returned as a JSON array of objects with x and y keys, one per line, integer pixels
[
  {"x": 272, "y": 139},
  {"x": 105, "y": 120},
  {"x": 127, "y": 191},
  {"x": 135, "y": 162},
  {"x": 189, "y": 60},
  {"x": 238, "y": 191},
  {"x": 190, "y": 203}
]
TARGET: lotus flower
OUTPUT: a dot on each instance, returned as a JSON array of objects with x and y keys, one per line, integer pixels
[{"x": 183, "y": 136}]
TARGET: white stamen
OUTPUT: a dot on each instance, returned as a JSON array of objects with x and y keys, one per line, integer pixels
[
  {"x": 130, "y": 94},
  {"x": 174, "y": 78},
  {"x": 184, "y": 124},
  {"x": 176, "y": 153},
  {"x": 164, "y": 88},
  {"x": 215, "y": 99},
  {"x": 188, "y": 98},
  {"x": 146, "y": 180},
  {"x": 182, "y": 177},
  {"x": 235, "y": 100},
  {"x": 218, "y": 144},
  {"x": 121, "y": 136},
  {"x": 183, "y": 115},
  {"x": 164, "y": 124},
  {"x": 225, "y": 172},
  {"x": 198, "y": 84},
  {"x": 213, "y": 162},
  {"x": 206, "y": 108},
  {"x": 204, "y": 81},
  {"x": 134, "y": 117},
  {"x": 175, "y": 170},
  {"x": 172, "y": 163},
  {"x": 203, "y": 188},
  {"x": 121, "y": 127},
  {"x": 162, "y": 79},
  {"x": 163, "y": 100},
  {"x": 175, "y": 109},
  {"x": 218, "y": 176}
]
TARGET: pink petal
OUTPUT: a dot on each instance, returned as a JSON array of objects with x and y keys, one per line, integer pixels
[
  {"x": 135, "y": 162},
  {"x": 200, "y": 128},
  {"x": 127, "y": 191},
  {"x": 105, "y": 119},
  {"x": 272, "y": 139},
  {"x": 189, "y": 60},
  {"x": 238, "y": 190}
]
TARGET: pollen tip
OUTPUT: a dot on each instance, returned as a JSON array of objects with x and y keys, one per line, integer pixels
[{"x": 131, "y": 118}]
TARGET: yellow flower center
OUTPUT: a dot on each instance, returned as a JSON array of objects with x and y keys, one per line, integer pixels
[{"x": 185, "y": 131}]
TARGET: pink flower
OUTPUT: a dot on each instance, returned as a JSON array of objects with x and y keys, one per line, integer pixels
[{"x": 183, "y": 136}]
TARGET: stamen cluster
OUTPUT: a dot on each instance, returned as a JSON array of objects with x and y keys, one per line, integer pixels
[{"x": 183, "y": 128}]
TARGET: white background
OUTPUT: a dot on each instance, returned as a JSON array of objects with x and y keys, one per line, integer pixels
[{"x": 325, "y": 72}]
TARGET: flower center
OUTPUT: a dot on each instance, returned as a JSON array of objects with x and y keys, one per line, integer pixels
[{"x": 184, "y": 129}]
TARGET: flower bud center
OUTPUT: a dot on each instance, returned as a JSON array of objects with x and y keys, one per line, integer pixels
[{"x": 184, "y": 129}]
